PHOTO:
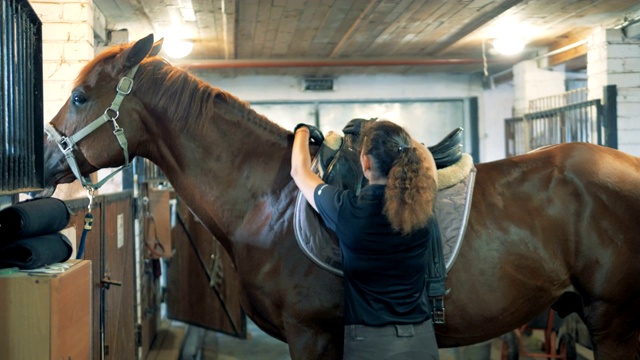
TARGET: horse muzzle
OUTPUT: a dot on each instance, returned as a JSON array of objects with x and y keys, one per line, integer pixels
[{"x": 56, "y": 168}]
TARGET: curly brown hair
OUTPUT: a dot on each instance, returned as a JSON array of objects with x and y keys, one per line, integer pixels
[{"x": 410, "y": 170}]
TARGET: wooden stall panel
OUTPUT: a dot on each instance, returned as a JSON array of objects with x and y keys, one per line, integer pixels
[
  {"x": 150, "y": 303},
  {"x": 46, "y": 316},
  {"x": 118, "y": 280},
  {"x": 157, "y": 221},
  {"x": 189, "y": 297},
  {"x": 93, "y": 252}
]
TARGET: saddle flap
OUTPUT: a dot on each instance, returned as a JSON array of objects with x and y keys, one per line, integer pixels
[{"x": 453, "y": 206}]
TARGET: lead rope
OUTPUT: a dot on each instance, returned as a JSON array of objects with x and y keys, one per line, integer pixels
[{"x": 88, "y": 223}]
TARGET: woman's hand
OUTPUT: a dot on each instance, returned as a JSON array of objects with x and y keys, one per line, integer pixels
[
  {"x": 301, "y": 173},
  {"x": 315, "y": 135}
]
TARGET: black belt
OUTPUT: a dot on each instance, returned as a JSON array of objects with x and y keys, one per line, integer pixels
[{"x": 400, "y": 330}]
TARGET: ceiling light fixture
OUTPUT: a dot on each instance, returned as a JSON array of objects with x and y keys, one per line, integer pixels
[
  {"x": 509, "y": 44},
  {"x": 177, "y": 49},
  {"x": 186, "y": 10}
]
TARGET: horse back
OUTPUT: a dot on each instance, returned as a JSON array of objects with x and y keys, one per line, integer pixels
[
  {"x": 575, "y": 204},
  {"x": 556, "y": 220},
  {"x": 583, "y": 164}
]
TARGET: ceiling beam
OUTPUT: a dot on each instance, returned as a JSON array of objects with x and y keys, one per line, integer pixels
[
  {"x": 283, "y": 63},
  {"x": 365, "y": 13},
  {"x": 572, "y": 45},
  {"x": 470, "y": 27}
]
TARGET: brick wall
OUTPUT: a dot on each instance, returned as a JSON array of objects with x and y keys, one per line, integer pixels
[
  {"x": 531, "y": 82},
  {"x": 613, "y": 59},
  {"x": 67, "y": 45}
]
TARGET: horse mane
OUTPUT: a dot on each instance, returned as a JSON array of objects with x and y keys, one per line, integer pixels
[
  {"x": 89, "y": 73},
  {"x": 184, "y": 93},
  {"x": 190, "y": 99}
]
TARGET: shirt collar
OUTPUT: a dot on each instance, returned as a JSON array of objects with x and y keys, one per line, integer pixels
[{"x": 373, "y": 191}]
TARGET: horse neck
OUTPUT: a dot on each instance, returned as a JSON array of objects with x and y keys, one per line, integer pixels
[{"x": 223, "y": 165}]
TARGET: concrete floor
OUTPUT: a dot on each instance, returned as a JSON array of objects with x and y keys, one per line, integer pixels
[{"x": 184, "y": 342}]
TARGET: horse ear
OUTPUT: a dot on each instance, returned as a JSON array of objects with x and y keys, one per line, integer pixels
[
  {"x": 134, "y": 55},
  {"x": 157, "y": 46}
]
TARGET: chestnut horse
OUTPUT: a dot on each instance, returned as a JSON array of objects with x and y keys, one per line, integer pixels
[{"x": 558, "y": 226}]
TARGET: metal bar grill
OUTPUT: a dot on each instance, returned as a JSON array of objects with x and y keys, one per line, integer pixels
[
  {"x": 553, "y": 120},
  {"x": 21, "y": 106},
  {"x": 154, "y": 175}
]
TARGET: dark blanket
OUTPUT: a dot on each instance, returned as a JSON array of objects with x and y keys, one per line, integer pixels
[
  {"x": 35, "y": 252},
  {"x": 33, "y": 218}
]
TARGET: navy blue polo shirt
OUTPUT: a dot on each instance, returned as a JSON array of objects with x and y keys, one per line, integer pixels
[{"x": 384, "y": 272}]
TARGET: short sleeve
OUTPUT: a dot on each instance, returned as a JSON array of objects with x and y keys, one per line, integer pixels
[{"x": 329, "y": 199}]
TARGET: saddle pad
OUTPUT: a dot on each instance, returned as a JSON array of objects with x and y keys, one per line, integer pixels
[
  {"x": 36, "y": 252},
  {"x": 32, "y": 218},
  {"x": 453, "y": 205}
]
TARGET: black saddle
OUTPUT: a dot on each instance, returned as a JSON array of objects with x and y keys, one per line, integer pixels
[
  {"x": 449, "y": 150},
  {"x": 341, "y": 167}
]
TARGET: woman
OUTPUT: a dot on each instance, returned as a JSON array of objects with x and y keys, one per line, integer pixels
[{"x": 383, "y": 233}]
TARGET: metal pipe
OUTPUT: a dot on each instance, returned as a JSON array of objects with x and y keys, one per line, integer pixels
[
  {"x": 547, "y": 54},
  {"x": 281, "y": 63},
  {"x": 561, "y": 50}
]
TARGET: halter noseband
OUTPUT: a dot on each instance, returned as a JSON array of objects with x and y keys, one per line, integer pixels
[{"x": 67, "y": 144}]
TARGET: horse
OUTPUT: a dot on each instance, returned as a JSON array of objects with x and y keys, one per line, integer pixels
[{"x": 554, "y": 227}]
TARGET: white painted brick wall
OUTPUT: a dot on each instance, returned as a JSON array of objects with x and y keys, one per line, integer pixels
[
  {"x": 531, "y": 82},
  {"x": 624, "y": 80},
  {"x": 613, "y": 59},
  {"x": 629, "y": 95},
  {"x": 628, "y": 110},
  {"x": 78, "y": 12},
  {"x": 89, "y": 2},
  {"x": 67, "y": 31},
  {"x": 67, "y": 46}
]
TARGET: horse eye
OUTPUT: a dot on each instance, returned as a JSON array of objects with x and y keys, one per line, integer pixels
[{"x": 78, "y": 99}]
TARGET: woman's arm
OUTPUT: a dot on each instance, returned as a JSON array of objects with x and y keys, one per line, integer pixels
[{"x": 301, "y": 173}]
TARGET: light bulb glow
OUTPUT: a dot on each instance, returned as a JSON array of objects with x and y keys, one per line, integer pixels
[
  {"x": 508, "y": 45},
  {"x": 177, "y": 49}
]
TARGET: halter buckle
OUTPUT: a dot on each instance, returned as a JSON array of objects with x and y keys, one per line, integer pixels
[
  {"x": 118, "y": 131},
  {"x": 125, "y": 85},
  {"x": 66, "y": 145},
  {"x": 90, "y": 195},
  {"x": 115, "y": 112}
]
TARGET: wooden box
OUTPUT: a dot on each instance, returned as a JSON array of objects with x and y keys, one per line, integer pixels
[{"x": 46, "y": 316}]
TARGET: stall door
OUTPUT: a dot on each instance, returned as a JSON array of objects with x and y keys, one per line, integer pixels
[
  {"x": 92, "y": 252},
  {"x": 117, "y": 278},
  {"x": 109, "y": 246},
  {"x": 197, "y": 268}
]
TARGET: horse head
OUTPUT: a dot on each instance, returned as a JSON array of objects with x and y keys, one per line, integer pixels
[{"x": 100, "y": 124}]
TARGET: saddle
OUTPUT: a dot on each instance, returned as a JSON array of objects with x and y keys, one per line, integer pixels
[{"x": 337, "y": 162}]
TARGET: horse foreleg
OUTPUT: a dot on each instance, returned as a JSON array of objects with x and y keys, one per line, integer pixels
[
  {"x": 616, "y": 346},
  {"x": 614, "y": 337},
  {"x": 308, "y": 342}
]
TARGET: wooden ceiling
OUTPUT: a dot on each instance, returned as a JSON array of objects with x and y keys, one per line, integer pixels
[{"x": 333, "y": 37}]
